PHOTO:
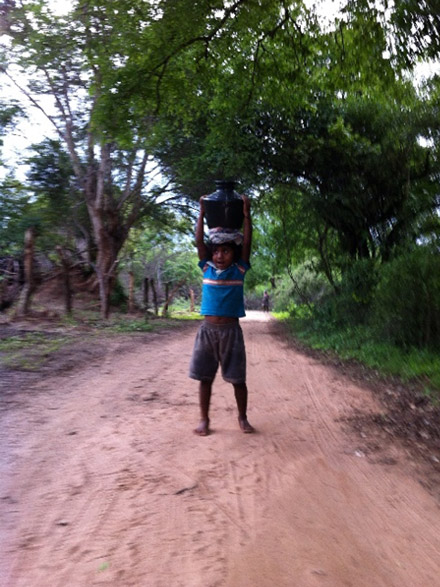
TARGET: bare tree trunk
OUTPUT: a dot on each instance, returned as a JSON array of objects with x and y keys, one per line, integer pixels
[
  {"x": 109, "y": 229},
  {"x": 104, "y": 294},
  {"x": 170, "y": 296},
  {"x": 322, "y": 241},
  {"x": 153, "y": 289},
  {"x": 2, "y": 294},
  {"x": 66, "y": 280},
  {"x": 24, "y": 302},
  {"x": 131, "y": 304},
  {"x": 191, "y": 297},
  {"x": 146, "y": 294},
  {"x": 105, "y": 269}
]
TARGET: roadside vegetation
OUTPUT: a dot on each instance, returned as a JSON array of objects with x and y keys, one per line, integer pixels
[
  {"x": 33, "y": 344},
  {"x": 418, "y": 366},
  {"x": 386, "y": 317}
]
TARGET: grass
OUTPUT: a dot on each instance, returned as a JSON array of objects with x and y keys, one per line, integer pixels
[
  {"x": 28, "y": 351},
  {"x": 131, "y": 325},
  {"x": 358, "y": 343},
  {"x": 122, "y": 322},
  {"x": 185, "y": 315}
]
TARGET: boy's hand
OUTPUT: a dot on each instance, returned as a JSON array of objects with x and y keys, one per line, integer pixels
[
  {"x": 246, "y": 206},
  {"x": 202, "y": 204}
]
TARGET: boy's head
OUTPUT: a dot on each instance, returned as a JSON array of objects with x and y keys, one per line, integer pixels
[{"x": 223, "y": 255}]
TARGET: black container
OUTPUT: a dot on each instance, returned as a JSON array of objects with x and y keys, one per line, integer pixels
[{"x": 224, "y": 207}]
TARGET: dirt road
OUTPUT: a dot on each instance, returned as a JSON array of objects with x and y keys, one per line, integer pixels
[{"x": 103, "y": 482}]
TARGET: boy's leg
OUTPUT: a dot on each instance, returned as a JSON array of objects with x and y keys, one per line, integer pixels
[
  {"x": 241, "y": 396},
  {"x": 205, "y": 389}
]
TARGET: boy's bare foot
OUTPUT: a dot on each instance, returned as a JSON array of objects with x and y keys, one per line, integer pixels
[
  {"x": 203, "y": 428},
  {"x": 245, "y": 426}
]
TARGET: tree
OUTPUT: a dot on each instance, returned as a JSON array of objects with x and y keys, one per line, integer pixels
[
  {"x": 210, "y": 75},
  {"x": 158, "y": 257},
  {"x": 68, "y": 60},
  {"x": 416, "y": 28},
  {"x": 59, "y": 202},
  {"x": 14, "y": 206},
  {"x": 9, "y": 114},
  {"x": 373, "y": 179},
  {"x": 323, "y": 120},
  {"x": 24, "y": 301}
]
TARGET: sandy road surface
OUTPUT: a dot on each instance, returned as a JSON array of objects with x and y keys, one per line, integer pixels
[{"x": 103, "y": 483}]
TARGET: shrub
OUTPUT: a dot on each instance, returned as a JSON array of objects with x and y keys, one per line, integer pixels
[
  {"x": 351, "y": 305},
  {"x": 407, "y": 302},
  {"x": 118, "y": 297},
  {"x": 306, "y": 288}
]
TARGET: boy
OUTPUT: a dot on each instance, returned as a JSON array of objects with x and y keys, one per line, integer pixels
[{"x": 219, "y": 339}]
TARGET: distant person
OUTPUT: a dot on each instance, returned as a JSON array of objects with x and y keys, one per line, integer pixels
[
  {"x": 265, "y": 301},
  {"x": 219, "y": 340}
]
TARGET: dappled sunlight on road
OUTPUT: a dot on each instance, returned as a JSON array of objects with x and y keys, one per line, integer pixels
[{"x": 257, "y": 316}]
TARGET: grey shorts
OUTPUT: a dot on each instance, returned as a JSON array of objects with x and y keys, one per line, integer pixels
[{"x": 219, "y": 344}]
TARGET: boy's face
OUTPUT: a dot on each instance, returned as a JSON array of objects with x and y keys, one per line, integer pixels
[{"x": 223, "y": 256}]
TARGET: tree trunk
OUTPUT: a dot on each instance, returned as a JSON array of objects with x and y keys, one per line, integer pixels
[
  {"x": 170, "y": 297},
  {"x": 105, "y": 266},
  {"x": 131, "y": 304},
  {"x": 322, "y": 242},
  {"x": 105, "y": 288},
  {"x": 65, "y": 265},
  {"x": 153, "y": 289},
  {"x": 2, "y": 295},
  {"x": 109, "y": 243},
  {"x": 146, "y": 294},
  {"x": 110, "y": 229},
  {"x": 24, "y": 302},
  {"x": 191, "y": 297}
]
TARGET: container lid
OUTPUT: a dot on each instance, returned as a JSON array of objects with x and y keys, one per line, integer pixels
[{"x": 228, "y": 184}]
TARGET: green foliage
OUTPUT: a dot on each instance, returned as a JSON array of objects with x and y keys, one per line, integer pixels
[
  {"x": 162, "y": 255},
  {"x": 181, "y": 266},
  {"x": 57, "y": 203},
  {"x": 9, "y": 115},
  {"x": 29, "y": 351},
  {"x": 51, "y": 179},
  {"x": 304, "y": 288},
  {"x": 118, "y": 297},
  {"x": 351, "y": 303},
  {"x": 139, "y": 325},
  {"x": 14, "y": 215},
  {"x": 407, "y": 299},
  {"x": 361, "y": 171},
  {"x": 211, "y": 127},
  {"x": 416, "y": 29},
  {"x": 320, "y": 120},
  {"x": 180, "y": 308}
]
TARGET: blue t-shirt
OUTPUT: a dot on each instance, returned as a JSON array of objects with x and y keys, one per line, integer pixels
[{"x": 222, "y": 292}]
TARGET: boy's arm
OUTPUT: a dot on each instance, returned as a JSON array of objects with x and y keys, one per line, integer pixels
[
  {"x": 202, "y": 249},
  {"x": 247, "y": 230}
]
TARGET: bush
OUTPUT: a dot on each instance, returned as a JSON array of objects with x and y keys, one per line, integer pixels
[
  {"x": 118, "y": 297},
  {"x": 307, "y": 288},
  {"x": 407, "y": 302},
  {"x": 351, "y": 305}
]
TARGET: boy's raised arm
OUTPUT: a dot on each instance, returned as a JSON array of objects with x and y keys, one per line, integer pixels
[
  {"x": 202, "y": 250},
  {"x": 247, "y": 230}
]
